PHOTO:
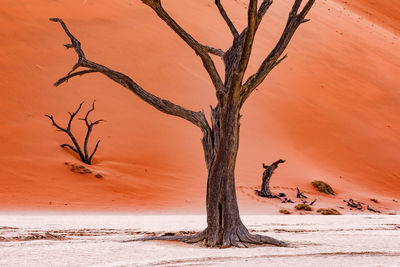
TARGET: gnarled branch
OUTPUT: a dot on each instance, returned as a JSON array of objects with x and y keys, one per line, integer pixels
[
  {"x": 247, "y": 45},
  {"x": 197, "y": 118},
  {"x": 227, "y": 19},
  {"x": 267, "y": 174},
  {"x": 272, "y": 60},
  {"x": 84, "y": 156},
  {"x": 89, "y": 125},
  {"x": 262, "y": 10},
  {"x": 200, "y": 49}
]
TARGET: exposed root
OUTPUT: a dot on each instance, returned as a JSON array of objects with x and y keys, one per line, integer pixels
[
  {"x": 184, "y": 238},
  {"x": 238, "y": 237}
]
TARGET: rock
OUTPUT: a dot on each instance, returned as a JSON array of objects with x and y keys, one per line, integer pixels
[
  {"x": 323, "y": 187},
  {"x": 303, "y": 207},
  {"x": 284, "y": 211},
  {"x": 329, "y": 211}
]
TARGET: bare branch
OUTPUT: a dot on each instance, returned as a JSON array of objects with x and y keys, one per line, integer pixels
[
  {"x": 197, "y": 118},
  {"x": 272, "y": 60},
  {"x": 94, "y": 150},
  {"x": 77, "y": 149},
  {"x": 67, "y": 130},
  {"x": 214, "y": 51},
  {"x": 200, "y": 49},
  {"x": 247, "y": 45},
  {"x": 227, "y": 19},
  {"x": 71, "y": 147},
  {"x": 263, "y": 10},
  {"x": 280, "y": 60},
  {"x": 72, "y": 115},
  {"x": 70, "y": 75},
  {"x": 89, "y": 125},
  {"x": 74, "y": 42},
  {"x": 55, "y": 124},
  {"x": 87, "y": 115}
]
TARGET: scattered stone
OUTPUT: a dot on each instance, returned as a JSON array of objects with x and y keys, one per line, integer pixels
[
  {"x": 78, "y": 168},
  {"x": 98, "y": 175},
  {"x": 313, "y": 202},
  {"x": 329, "y": 211},
  {"x": 353, "y": 204},
  {"x": 303, "y": 207},
  {"x": 394, "y": 200},
  {"x": 284, "y": 211},
  {"x": 281, "y": 195},
  {"x": 323, "y": 187},
  {"x": 374, "y": 200}
]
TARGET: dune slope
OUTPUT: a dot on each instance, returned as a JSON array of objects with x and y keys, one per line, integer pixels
[{"x": 331, "y": 109}]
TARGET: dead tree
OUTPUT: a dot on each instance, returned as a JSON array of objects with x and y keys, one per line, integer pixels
[
  {"x": 84, "y": 155},
  {"x": 221, "y": 134},
  {"x": 269, "y": 170}
]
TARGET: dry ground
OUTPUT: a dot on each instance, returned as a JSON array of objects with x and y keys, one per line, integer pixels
[{"x": 96, "y": 240}]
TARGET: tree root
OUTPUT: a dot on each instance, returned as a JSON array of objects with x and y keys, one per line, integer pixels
[{"x": 237, "y": 238}]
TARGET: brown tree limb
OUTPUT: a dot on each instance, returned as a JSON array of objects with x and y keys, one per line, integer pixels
[
  {"x": 69, "y": 146},
  {"x": 246, "y": 48},
  {"x": 199, "y": 49},
  {"x": 238, "y": 55},
  {"x": 227, "y": 19},
  {"x": 68, "y": 131},
  {"x": 89, "y": 126},
  {"x": 272, "y": 60},
  {"x": 94, "y": 151},
  {"x": 214, "y": 51},
  {"x": 263, "y": 10},
  {"x": 197, "y": 118},
  {"x": 70, "y": 75}
]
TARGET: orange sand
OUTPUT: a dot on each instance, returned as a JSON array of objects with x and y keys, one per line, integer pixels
[{"x": 331, "y": 109}]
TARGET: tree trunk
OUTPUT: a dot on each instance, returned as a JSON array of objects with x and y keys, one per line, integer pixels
[
  {"x": 265, "y": 191},
  {"x": 224, "y": 226},
  {"x": 223, "y": 217}
]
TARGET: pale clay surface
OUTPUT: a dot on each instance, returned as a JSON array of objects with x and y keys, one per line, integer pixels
[{"x": 348, "y": 240}]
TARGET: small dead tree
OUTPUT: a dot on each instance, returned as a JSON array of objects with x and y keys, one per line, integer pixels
[
  {"x": 269, "y": 170},
  {"x": 84, "y": 155},
  {"x": 221, "y": 133}
]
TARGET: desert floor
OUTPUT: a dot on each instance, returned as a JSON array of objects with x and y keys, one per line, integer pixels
[{"x": 97, "y": 240}]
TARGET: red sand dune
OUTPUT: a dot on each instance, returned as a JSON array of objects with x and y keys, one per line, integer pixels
[
  {"x": 331, "y": 109},
  {"x": 385, "y": 13}
]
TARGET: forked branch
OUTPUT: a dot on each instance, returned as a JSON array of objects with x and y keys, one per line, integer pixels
[
  {"x": 84, "y": 155},
  {"x": 199, "y": 49},
  {"x": 197, "y": 118},
  {"x": 274, "y": 57},
  {"x": 227, "y": 19},
  {"x": 246, "y": 47}
]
